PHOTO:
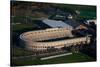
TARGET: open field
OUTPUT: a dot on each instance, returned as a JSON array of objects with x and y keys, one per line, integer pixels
[
  {"x": 22, "y": 26},
  {"x": 16, "y": 51},
  {"x": 76, "y": 57}
]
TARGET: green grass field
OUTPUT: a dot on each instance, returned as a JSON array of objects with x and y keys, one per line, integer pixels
[
  {"x": 87, "y": 14},
  {"x": 20, "y": 52},
  {"x": 22, "y": 26},
  {"x": 76, "y": 57}
]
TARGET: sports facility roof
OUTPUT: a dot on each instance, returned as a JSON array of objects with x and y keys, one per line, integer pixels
[{"x": 56, "y": 24}]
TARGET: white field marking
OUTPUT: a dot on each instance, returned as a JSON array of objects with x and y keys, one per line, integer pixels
[{"x": 45, "y": 58}]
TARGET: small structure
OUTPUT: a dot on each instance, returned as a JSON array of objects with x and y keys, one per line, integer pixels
[{"x": 70, "y": 16}]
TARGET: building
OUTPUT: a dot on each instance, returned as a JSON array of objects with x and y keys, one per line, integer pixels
[
  {"x": 33, "y": 39},
  {"x": 57, "y": 24},
  {"x": 89, "y": 21}
]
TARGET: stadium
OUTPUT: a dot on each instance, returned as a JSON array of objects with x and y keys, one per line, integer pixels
[{"x": 41, "y": 40}]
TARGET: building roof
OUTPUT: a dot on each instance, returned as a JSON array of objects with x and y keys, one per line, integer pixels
[{"x": 55, "y": 24}]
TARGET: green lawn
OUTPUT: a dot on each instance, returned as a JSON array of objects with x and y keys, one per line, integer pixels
[
  {"x": 22, "y": 26},
  {"x": 76, "y": 57},
  {"x": 23, "y": 18},
  {"x": 88, "y": 14},
  {"x": 20, "y": 52}
]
